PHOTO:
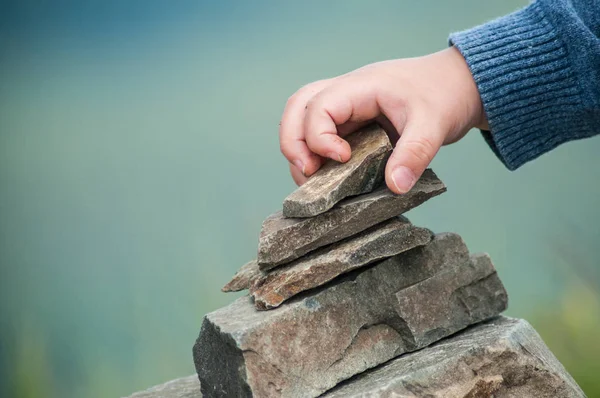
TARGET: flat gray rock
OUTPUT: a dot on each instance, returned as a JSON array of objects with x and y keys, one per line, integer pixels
[
  {"x": 185, "y": 387},
  {"x": 243, "y": 278},
  {"x": 452, "y": 299},
  {"x": 334, "y": 181},
  {"x": 285, "y": 239},
  {"x": 384, "y": 240},
  {"x": 309, "y": 345},
  {"x": 501, "y": 358}
]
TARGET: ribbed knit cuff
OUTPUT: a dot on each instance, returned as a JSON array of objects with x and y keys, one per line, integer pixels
[{"x": 527, "y": 87}]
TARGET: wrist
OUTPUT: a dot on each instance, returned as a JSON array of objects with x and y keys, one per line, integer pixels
[{"x": 475, "y": 113}]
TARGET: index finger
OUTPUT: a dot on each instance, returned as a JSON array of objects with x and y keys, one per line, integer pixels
[
  {"x": 291, "y": 130},
  {"x": 344, "y": 102}
]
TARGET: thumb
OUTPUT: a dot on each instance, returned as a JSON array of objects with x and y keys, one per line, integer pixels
[{"x": 418, "y": 144}]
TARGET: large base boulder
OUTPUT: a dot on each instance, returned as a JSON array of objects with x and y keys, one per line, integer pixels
[{"x": 500, "y": 358}]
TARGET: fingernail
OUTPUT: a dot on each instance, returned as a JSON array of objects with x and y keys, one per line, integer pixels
[
  {"x": 300, "y": 165},
  {"x": 335, "y": 156},
  {"x": 403, "y": 178}
]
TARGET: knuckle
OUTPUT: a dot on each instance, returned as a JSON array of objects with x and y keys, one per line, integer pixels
[
  {"x": 312, "y": 142},
  {"x": 284, "y": 149},
  {"x": 292, "y": 100},
  {"x": 303, "y": 92},
  {"x": 335, "y": 139},
  {"x": 312, "y": 103},
  {"x": 422, "y": 149},
  {"x": 316, "y": 144}
]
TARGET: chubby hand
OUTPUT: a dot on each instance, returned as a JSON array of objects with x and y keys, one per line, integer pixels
[{"x": 423, "y": 103}]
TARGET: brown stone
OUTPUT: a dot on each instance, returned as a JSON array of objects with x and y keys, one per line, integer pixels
[
  {"x": 309, "y": 345},
  {"x": 243, "y": 278},
  {"x": 451, "y": 300},
  {"x": 501, "y": 358},
  {"x": 285, "y": 239},
  {"x": 381, "y": 241},
  {"x": 334, "y": 181}
]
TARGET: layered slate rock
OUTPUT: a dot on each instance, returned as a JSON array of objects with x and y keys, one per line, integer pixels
[
  {"x": 335, "y": 181},
  {"x": 503, "y": 358},
  {"x": 500, "y": 358},
  {"x": 381, "y": 241},
  {"x": 453, "y": 299},
  {"x": 309, "y": 345},
  {"x": 285, "y": 239},
  {"x": 243, "y": 278}
]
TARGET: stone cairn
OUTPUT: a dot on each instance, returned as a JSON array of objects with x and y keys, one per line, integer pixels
[{"x": 347, "y": 298}]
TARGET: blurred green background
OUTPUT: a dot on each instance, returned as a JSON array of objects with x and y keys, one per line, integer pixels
[{"x": 139, "y": 156}]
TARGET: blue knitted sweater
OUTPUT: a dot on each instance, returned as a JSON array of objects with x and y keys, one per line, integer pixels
[{"x": 538, "y": 74}]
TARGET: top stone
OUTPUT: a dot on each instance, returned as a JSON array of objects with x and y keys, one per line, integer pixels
[{"x": 335, "y": 181}]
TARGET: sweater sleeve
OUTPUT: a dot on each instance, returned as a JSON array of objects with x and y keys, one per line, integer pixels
[{"x": 538, "y": 75}]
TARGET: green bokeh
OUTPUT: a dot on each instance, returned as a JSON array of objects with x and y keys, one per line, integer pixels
[{"x": 134, "y": 179}]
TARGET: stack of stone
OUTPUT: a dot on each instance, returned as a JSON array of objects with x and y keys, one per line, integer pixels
[
  {"x": 319, "y": 236},
  {"x": 343, "y": 285}
]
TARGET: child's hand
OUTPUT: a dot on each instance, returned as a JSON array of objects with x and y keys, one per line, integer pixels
[{"x": 429, "y": 101}]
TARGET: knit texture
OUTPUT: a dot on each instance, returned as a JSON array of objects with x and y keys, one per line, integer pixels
[{"x": 538, "y": 75}]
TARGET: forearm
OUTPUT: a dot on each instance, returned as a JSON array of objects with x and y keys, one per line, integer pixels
[{"x": 538, "y": 74}]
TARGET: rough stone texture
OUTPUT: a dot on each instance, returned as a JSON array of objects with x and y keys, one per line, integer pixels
[
  {"x": 185, "y": 387},
  {"x": 285, "y": 239},
  {"x": 243, "y": 278},
  {"x": 307, "y": 346},
  {"x": 503, "y": 358},
  {"x": 381, "y": 241},
  {"x": 334, "y": 181},
  {"x": 500, "y": 358},
  {"x": 452, "y": 299}
]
